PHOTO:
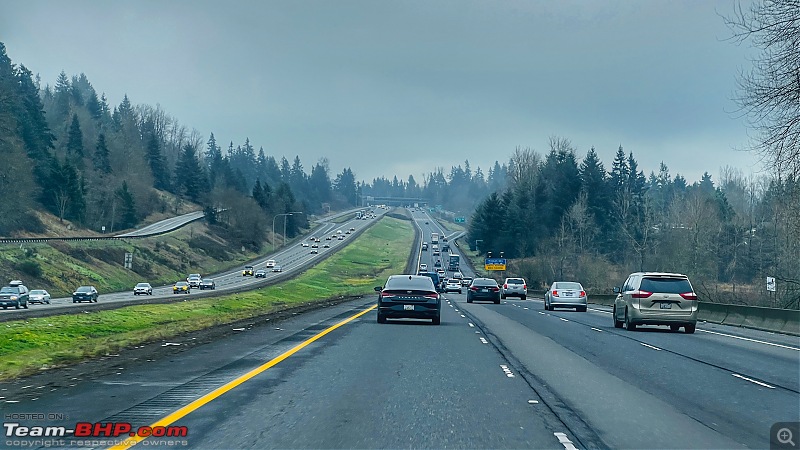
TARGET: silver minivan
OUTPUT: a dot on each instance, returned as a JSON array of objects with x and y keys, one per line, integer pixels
[{"x": 656, "y": 298}]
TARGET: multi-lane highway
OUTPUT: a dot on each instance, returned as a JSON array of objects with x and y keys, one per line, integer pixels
[
  {"x": 291, "y": 259},
  {"x": 490, "y": 376}
]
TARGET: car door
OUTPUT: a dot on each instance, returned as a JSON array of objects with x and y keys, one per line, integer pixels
[{"x": 619, "y": 302}]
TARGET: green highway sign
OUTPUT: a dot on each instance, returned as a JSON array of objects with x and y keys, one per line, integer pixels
[{"x": 460, "y": 219}]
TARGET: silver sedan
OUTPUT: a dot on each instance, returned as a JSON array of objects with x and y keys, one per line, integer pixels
[{"x": 566, "y": 294}]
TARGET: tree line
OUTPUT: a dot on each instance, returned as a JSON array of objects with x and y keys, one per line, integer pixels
[{"x": 570, "y": 219}]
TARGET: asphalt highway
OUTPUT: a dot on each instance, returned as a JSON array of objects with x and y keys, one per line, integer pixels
[
  {"x": 291, "y": 259},
  {"x": 490, "y": 376}
]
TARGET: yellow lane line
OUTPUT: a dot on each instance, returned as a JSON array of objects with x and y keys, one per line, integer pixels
[{"x": 193, "y": 406}]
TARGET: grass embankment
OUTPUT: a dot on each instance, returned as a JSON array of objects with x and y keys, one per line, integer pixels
[{"x": 27, "y": 346}]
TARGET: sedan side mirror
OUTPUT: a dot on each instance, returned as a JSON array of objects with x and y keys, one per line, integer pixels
[
  {"x": 378, "y": 288},
  {"x": 617, "y": 290}
]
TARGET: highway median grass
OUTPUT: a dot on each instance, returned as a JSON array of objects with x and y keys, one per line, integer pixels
[{"x": 28, "y": 346}]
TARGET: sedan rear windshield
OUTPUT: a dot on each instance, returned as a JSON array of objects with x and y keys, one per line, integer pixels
[
  {"x": 567, "y": 285},
  {"x": 484, "y": 282},
  {"x": 666, "y": 285}
]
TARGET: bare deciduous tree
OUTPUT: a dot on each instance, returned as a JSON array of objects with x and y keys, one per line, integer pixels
[{"x": 770, "y": 92}]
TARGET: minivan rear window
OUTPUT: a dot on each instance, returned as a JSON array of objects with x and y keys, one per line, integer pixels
[{"x": 666, "y": 285}]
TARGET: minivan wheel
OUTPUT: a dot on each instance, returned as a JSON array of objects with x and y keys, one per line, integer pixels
[
  {"x": 689, "y": 328},
  {"x": 630, "y": 326},
  {"x": 674, "y": 327},
  {"x": 617, "y": 323}
]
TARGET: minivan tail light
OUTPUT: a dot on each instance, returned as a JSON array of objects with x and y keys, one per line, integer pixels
[
  {"x": 505, "y": 286},
  {"x": 641, "y": 294},
  {"x": 525, "y": 286},
  {"x": 689, "y": 296}
]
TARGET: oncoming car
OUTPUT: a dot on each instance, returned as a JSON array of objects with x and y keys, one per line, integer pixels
[
  {"x": 181, "y": 287},
  {"x": 409, "y": 296},
  {"x": 85, "y": 294},
  {"x": 261, "y": 273},
  {"x": 143, "y": 289}
]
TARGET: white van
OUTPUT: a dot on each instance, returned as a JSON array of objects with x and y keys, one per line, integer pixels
[{"x": 270, "y": 263}]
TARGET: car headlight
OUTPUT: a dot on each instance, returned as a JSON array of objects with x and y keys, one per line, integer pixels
[{"x": 14, "y": 297}]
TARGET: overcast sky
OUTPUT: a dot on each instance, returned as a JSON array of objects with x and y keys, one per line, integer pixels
[{"x": 400, "y": 87}]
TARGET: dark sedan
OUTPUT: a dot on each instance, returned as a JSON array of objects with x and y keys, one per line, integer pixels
[
  {"x": 85, "y": 294},
  {"x": 409, "y": 296},
  {"x": 207, "y": 283},
  {"x": 483, "y": 289}
]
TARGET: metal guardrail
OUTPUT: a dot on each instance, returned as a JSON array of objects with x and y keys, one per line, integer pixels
[{"x": 97, "y": 238}]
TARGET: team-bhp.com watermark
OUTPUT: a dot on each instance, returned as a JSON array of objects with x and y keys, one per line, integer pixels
[{"x": 88, "y": 434}]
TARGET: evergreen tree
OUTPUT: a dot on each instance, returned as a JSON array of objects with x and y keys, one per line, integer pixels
[
  {"x": 75, "y": 138},
  {"x": 62, "y": 97},
  {"x": 189, "y": 176},
  {"x": 593, "y": 184},
  {"x": 345, "y": 185},
  {"x": 93, "y": 105},
  {"x": 101, "y": 156},
  {"x": 158, "y": 164},
  {"x": 128, "y": 206}
]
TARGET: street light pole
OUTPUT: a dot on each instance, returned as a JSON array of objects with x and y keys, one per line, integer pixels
[
  {"x": 273, "y": 229},
  {"x": 285, "y": 219}
]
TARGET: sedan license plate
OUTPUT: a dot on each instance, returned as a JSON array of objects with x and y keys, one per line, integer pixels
[
  {"x": 665, "y": 305},
  {"x": 408, "y": 307}
]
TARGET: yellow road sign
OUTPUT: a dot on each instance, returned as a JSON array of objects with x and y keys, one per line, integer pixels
[{"x": 494, "y": 267}]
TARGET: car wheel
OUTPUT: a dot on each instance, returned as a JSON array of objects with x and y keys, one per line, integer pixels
[
  {"x": 674, "y": 327},
  {"x": 74, "y": 301},
  {"x": 469, "y": 300},
  {"x": 436, "y": 320},
  {"x": 25, "y": 305},
  {"x": 460, "y": 291},
  {"x": 95, "y": 299},
  {"x": 580, "y": 309},
  {"x": 524, "y": 297},
  {"x": 689, "y": 328},
  {"x": 503, "y": 296},
  {"x": 16, "y": 306},
  {"x": 546, "y": 305},
  {"x": 48, "y": 302},
  {"x": 497, "y": 302},
  {"x": 630, "y": 326},
  {"x": 381, "y": 318},
  {"x": 617, "y": 323}
]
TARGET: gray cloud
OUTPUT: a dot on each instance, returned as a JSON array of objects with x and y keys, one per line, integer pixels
[{"x": 402, "y": 87}]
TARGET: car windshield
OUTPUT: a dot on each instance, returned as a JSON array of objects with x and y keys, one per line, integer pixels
[
  {"x": 143, "y": 285},
  {"x": 85, "y": 289},
  {"x": 38, "y": 292},
  {"x": 181, "y": 283},
  {"x": 9, "y": 290}
]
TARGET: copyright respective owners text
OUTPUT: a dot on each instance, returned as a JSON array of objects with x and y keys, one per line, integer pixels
[
  {"x": 783, "y": 436},
  {"x": 53, "y": 430}
]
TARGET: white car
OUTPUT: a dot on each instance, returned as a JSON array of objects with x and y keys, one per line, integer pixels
[
  {"x": 453, "y": 285},
  {"x": 305, "y": 244},
  {"x": 143, "y": 289},
  {"x": 270, "y": 263},
  {"x": 39, "y": 296},
  {"x": 194, "y": 280},
  {"x": 423, "y": 267}
]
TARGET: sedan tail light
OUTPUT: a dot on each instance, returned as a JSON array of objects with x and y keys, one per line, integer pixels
[
  {"x": 385, "y": 294},
  {"x": 583, "y": 293},
  {"x": 433, "y": 296},
  {"x": 473, "y": 288},
  {"x": 524, "y": 286},
  {"x": 496, "y": 289},
  {"x": 641, "y": 294},
  {"x": 689, "y": 296},
  {"x": 555, "y": 293}
]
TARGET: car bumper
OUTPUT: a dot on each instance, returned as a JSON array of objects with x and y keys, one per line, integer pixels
[
  {"x": 569, "y": 302},
  {"x": 82, "y": 299},
  {"x": 420, "y": 311},
  {"x": 643, "y": 317},
  {"x": 9, "y": 302},
  {"x": 515, "y": 293},
  {"x": 482, "y": 297}
]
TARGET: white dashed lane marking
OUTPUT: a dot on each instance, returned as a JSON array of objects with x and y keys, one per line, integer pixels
[
  {"x": 507, "y": 371},
  {"x": 753, "y": 381},
  {"x": 564, "y": 440},
  {"x": 471, "y": 325},
  {"x": 484, "y": 340},
  {"x": 650, "y": 346},
  {"x": 597, "y": 329}
]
